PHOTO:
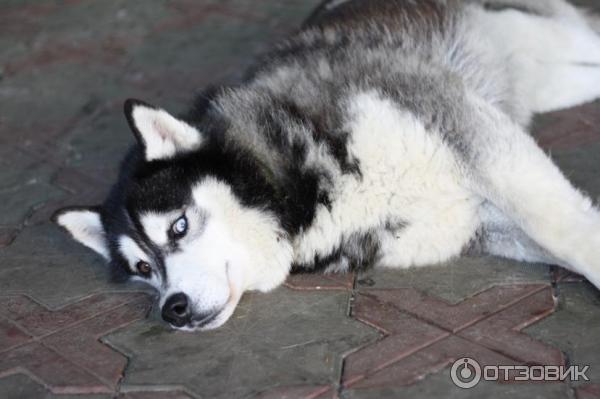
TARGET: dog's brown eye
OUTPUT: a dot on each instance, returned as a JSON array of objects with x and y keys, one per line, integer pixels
[{"x": 144, "y": 268}]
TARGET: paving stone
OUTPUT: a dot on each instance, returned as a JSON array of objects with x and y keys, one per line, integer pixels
[
  {"x": 414, "y": 367},
  {"x": 11, "y": 335},
  {"x": 407, "y": 334},
  {"x": 82, "y": 92},
  {"x": 573, "y": 138},
  {"x": 45, "y": 264},
  {"x": 502, "y": 331},
  {"x": 70, "y": 64},
  {"x": 570, "y": 128},
  {"x": 304, "y": 392},
  {"x": 96, "y": 149},
  {"x": 455, "y": 317},
  {"x": 81, "y": 346},
  {"x": 85, "y": 32},
  {"x": 39, "y": 321},
  {"x": 19, "y": 202},
  {"x": 159, "y": 394},
  {"x": 17, "y": 167},
  {"x": 181, "y": 58},
  {"x": 439, "y": 385},
  {"x": 589, "y": 391},
  {"x": 581, "y": 165},
  {"x": 458, "y": 279},
  {"x": 277, "y": 340},
  {"x": 24, "y": 185},
  {"x": 86, "y": 188},
  {"x": 319, "y": 281},
  {"x": 560, "y": 275},
  {"x": 220, "y": 38},
  {"x": 7, "y": 236},
  {"x": 68, "y": 358},
  {"x": 488, "y": 324},
  {"x": 574, "y": 327},
  {"x": 21, "y": 386},
  {"x": 144, "y": 45},
  {"x": 48, "y": 366}
]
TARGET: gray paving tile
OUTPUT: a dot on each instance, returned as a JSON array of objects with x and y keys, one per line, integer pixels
[
  {"x": 25, "y": 184},
  {"x": 575, "y": 327},
  {"x": 440, "y": 386},
  {"x": 52, "y": 269},
  {"x": 32, "y": 107},
  {"x": 208, "y": 42},
  {"x": 96, "y": 148},
  {"x": 20, "y": 386},
  {"x": 457, "y": 279},
  {"x": 582, "y": 166},
  {"x": 19, "y": 201},
  {"x": 18, "y": 167},
  {"x": 273, "y": 340}
]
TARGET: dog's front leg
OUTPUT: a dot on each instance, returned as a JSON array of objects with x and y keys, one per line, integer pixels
[{"x": 511, "y": 171}]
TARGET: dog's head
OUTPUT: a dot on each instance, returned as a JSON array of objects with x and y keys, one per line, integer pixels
[{"x": 186, "y": 217}]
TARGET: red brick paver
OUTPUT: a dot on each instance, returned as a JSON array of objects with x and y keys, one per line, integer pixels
[
  {"x": 424, "y": 334},
  {"x": 569, "y": 128},
  {"x": 61, "y": 348},
  {"x": 317, "y": 281}
]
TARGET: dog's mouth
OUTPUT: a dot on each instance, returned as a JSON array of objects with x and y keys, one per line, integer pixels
[
  {"x": 212, "y": 321},
  {"x": 218, "y": 317},
  {"x": 200, "y": 322}
]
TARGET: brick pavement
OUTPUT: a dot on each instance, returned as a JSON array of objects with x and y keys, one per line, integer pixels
[{"x": 66, "y": 331}]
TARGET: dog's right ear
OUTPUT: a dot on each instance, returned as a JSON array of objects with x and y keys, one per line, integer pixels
[
  {"x": 85, "y": 226},
  {"x": 160, "y": 134}
]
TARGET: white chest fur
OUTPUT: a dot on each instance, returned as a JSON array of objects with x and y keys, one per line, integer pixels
[{"x": 408, "y": 175}]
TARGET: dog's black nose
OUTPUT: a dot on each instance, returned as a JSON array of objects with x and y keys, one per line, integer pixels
[{"x": 176, "y": 310}]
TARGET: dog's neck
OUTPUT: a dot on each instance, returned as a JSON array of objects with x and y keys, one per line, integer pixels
[{"x": 283, "y": 144}]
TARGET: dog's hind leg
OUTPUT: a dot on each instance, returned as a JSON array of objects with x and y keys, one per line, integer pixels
[
  {"x": 500, "y": 236},
  {"x": 515, "y": 175}
]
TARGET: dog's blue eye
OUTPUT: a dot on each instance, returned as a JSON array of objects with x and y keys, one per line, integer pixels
[{"x": 180, "y": 226}]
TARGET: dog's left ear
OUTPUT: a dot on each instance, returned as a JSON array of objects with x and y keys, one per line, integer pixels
[
  {"x": 160, "y": 134},
  {"x": 85, "y": 225}
]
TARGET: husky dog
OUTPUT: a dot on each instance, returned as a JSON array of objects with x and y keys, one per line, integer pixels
[{"x": 385, "y": 132}]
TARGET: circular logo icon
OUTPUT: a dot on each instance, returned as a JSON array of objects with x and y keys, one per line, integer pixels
[{"x": 465, "y": 373}]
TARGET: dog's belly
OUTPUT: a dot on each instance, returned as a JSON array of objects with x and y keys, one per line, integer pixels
[{"x": 410, "y": 206}]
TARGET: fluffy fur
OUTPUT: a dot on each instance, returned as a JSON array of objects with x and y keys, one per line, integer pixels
[{"x": 385, "y": 132}]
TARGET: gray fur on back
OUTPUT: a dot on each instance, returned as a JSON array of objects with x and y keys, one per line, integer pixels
[{"x": 417, "y": 52}]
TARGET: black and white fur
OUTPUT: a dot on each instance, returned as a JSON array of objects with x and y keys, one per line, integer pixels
[{"x": 385, "y": 132}]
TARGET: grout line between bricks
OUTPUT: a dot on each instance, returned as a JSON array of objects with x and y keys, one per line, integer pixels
[
  {"x": 539, "y": 287},
  {"x": 62, "y": 329},
  {"x": 352, "y": 381},
  {"x": 98, "y": 339}
]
